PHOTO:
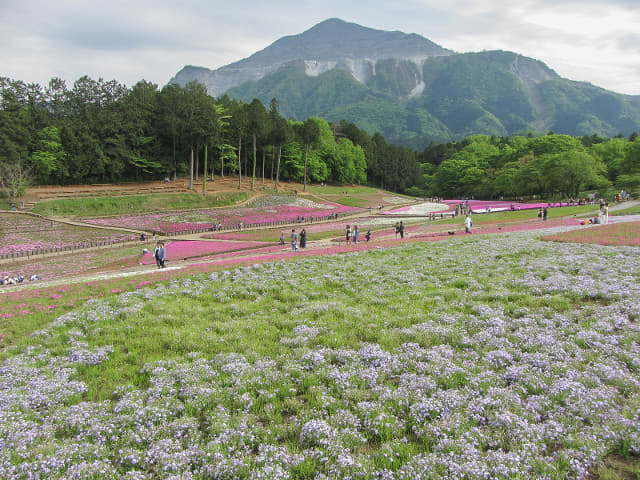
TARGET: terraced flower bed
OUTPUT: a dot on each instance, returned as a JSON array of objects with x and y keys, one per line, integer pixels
[
  {"x": 21, "y": 233},
  {"x": 174, "y": 222}
]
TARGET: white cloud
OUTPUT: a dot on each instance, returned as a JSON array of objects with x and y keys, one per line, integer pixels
[{"x": 592, "y": 41}]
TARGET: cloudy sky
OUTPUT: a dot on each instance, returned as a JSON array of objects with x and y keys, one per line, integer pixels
[{"x": 597, "y": 41}]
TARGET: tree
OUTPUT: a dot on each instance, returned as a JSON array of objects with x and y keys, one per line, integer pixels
[
  {"x": 309, "y": 133},
  {"x": 278, "y": 135},
  {"x": 50, "y": 159},
  {"x": 171, "y": 119},
  {"x": 257, "y": 119},
  {"x": 201, "y": 122},
  {"x": 140, "y": 111},
  {"x": 14, "y": 179},
  {"x": 612, "y": 153},
  {"x": 570, "y": 172}
]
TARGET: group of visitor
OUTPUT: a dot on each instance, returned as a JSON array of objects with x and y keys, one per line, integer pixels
[
  {"x": 294, "y": 239},
  {"x": 543, "y": 213},
  {"x": 160, "y": 254},
  {"x": 399, "y": 229},
  {"x": 7, "y": 280}
]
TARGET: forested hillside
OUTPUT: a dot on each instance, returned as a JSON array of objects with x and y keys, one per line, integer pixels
[
  {"x": 98, "y": 132},
  {"x": 451, "y": 97}
]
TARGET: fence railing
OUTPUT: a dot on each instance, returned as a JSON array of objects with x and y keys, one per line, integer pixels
[
  {"x": 69, "y": 248},
  {"x": 249, "y": 226},
  {"x": 27, "y": 254}
]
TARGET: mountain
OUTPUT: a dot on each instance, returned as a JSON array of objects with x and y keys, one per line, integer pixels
[
  {"x": 331, "y": 44},
  {"x": 414, "y": 91}
]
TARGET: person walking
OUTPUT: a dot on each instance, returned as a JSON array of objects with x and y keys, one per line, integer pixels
[
  {"x": 294, "y": 240},
  {"x": 303, "y": 238},
  {"x": 367, "y": 235},
  {"x": 160, "y": 254},
  {"x": 348, "y": 233},
  {"x": 401, "y": 227},
  {"x": 355, "y": 234},
  {"x": 467, "y": 224}
]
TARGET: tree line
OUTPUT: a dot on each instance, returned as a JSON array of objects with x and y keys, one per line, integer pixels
[
  {"x": 104, "y": 132},
  {"x": 547, "y": 166}
]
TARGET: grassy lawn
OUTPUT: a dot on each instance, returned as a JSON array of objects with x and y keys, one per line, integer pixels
[
  {"x": 532, "y": 214},
  {"x": 633, "y": 210}
]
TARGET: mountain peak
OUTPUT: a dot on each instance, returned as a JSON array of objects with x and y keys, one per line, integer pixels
[
  {"x": 335, "y": 39},
  {"x": 329, "y": 43}
]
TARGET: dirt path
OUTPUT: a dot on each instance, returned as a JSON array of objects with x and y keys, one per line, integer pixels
[{"x": 312, "y": 245}]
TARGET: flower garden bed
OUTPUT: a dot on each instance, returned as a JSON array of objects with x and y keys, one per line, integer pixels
[
  {"x": 202, "y": 220},
  {"x": 186, "y": 249},
  {"x": 627, "y": 233},
  {"x": 485, "y": 357},
  {"x": 21, "y": 234}
]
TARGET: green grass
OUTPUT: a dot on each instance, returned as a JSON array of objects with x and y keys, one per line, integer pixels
[
  {"x": 633, "y": 210},
  {"x": 339, "y": 190},
  {"x": 617, "y": 467},
  {"x": 532, "y": 214},
  {"x": 353, "y": 202},
  {"x": 135, "y": 204}
]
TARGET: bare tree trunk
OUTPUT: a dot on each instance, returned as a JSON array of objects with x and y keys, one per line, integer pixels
[
  {"x": 264, "y": 158},
  {"x": 204, "y": 176},
  {"x": 273, "y": 159},
  {"x": 278, "y": 167},
  {"x": 175, "y": 164},
  {"x": 253, "y": 176},
  {"x": 191, "y": 171},
  {"x": 239, "y": 163},
  {"x": 222, "y": 161},
  {"x": 306, "y": 157},
  {"x": 197, "y": 160}
]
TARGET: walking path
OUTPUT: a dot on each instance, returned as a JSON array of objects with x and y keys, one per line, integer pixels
[{"x": 314, "y": 247}]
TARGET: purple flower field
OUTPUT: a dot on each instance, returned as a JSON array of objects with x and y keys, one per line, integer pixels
[{"x": 485, "y": 357}]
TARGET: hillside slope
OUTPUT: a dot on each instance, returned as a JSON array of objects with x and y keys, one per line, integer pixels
[{"x": 414, "y": 91}]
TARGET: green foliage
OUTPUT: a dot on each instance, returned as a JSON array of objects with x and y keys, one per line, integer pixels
[
  {"x": 492, "y": 93},
  {"x": 49, "y": 161},
  {"x": 550, "y": 165},
  {"x": 101, "y": 131},
  {"x": 14, "y": 180}
]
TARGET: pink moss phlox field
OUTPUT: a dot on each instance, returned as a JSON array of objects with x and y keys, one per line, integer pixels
[
  {"x": 481, "y": 206},
  {"x": 183, "y": 249},
  {"x": 25, "y": 233},
  {"x": 627, "y": 233},
  {"x": 55, "y": 266},
  {"x": 175, "y": 222}
]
